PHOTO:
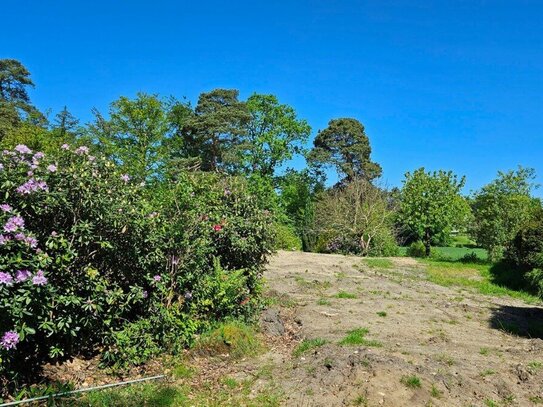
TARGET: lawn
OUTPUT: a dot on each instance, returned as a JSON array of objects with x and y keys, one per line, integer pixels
[{"x": 452, "y": 253}]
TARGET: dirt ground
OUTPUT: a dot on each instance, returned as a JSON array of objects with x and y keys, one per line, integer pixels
[{"x": 447, "y": 337}]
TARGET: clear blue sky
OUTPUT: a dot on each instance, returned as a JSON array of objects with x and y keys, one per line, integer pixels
[{"x": 442, "y": 84}]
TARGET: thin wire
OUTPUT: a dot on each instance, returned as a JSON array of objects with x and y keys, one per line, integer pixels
[{"x": 66, "y": 393}]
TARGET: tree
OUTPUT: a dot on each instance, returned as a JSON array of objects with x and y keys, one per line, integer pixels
[
  {"x": 356, "y": 217},
  {"x": 297, "y": 193},
  {"x": 501, "y": 209},
  {"x": 274, "y": 134},
  {"x": 135, "y": 134},
  {"x": 214, "y": 133},
  {"x": 431, "y": 204},
  {"x": 65, "y": 125},
  {"x": 345, "y": 145},
  {"x": 15, "y": 103}
]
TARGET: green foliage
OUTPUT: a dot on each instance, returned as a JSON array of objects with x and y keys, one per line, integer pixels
[
  {"x": 137, "y": 134},
  {"x": 345, "y": 146},
  {"x": 357, "y": 337},
  {"x": 234, "y": 339},
  {"x": 501, "y": 209},
  {"x": 214, "y": 134},
  {"x": 131, "y": 270},
  {"x": 286, "y": 238},
  {"x": 431, "y": 205},
  {"x": 416, "y": 249},
  {"x": 355, "y": 218},
  {"x": 308, "y": 344},
  {"x": 411, "y": 381},
  {"x": 526, "y": 249},
  {"x": 379, "y": 263},
  {"x": 274, "y": 134},
  {"x": 15, "y": 106}
]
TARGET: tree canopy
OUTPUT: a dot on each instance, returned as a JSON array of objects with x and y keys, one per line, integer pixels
[
  {"x": 431, "y": 204},
  {"x": 345, "y": 146}
]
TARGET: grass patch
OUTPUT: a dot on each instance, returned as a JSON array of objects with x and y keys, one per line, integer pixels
[
  {"x": 378, "y": 263},
  {"x": 360, "y": 401},
  {"x": 345, "y": 295},
  {"x": 235, "y": 339},
  {"x": 411, "y": 381},
  {"x": 357, "y": 337},
  {"x": 160, "y": 395},
  {"x": 483, "y": 351},
  {"x": 535, "y": 365},
  {"x": 183, "y": 372},
  {"x": 487, "y": 372},
  {"x": 477, "y": 276},
  {"x": 435, "y": 392},
  {"x": 323, "y": 301},
  {"x": 382, "y": 314},
  {"x": 308, "y": 344}
]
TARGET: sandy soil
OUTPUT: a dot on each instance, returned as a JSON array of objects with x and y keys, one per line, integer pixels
[{"x": 446, "y": 336}]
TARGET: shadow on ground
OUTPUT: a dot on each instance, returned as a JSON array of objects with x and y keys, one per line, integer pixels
[{"x": 521, "y": 321}]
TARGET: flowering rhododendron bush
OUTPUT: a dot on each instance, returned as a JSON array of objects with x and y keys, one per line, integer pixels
[{"x": 91, "y": 261}]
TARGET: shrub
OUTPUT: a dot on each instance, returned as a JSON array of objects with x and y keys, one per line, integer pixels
[
  {"x": 416, "y": 249},
  {"x": 231, "y": 338},
  {"x": 286, "y": 238},
  {"x": 91, "y": 260}
]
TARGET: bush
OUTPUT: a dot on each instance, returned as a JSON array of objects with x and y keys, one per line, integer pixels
[
  {"x": 286, "y": 238},
  {"x": 90, "y": 260},
  {"x": 526, "y": 249},
  {"x": 416, "y": 249}
]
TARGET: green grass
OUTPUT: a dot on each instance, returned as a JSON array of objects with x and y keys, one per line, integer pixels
[
  {"x": 323, "y": 301},
  {"x": 308, "y": 344},
  {"x": 382, "y": 314},
  {"x": 357, "y": 337},
  {"x": 452, "y": 253},
  {"x": 234, "y": 339},
  {"x": 160, "y": 395},
  {"x": 475, "y": 276},
  {"x": 379, "y": 263},
  {"x": 435, "y": 392},
  {"x": 411, "y": 381},
  {"x": 345, "y": 295}
]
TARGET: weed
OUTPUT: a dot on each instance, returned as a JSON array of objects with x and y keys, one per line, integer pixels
[
  {"x": 487, "y": 372},
  {"x": 357, "y": 337},
  {"x": 382, "y": 314},
  {"x": 535, "y": 365},
  {"x": 182, "y": 372},
  {"x": 483, "y": 351},
  {"x": 449, "y": 361},
  {"x": 235, "y": 339},
  {"x": 323, "y": 301},
  {"x": 435, "y": 392},
  {"x": 308, "y": 344},
  {"x": 345, "y": 294},
  {"x": 411, "y": 381},
  {"x": 360, "y": 401},
  {"x": 379, "y": 263}
]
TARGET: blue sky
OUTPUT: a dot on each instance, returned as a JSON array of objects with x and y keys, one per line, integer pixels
[{"x": 441, "y": 84}]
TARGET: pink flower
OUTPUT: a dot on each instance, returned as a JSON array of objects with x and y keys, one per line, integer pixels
[
  {"x": 51, "y": 168},
  {"x": 6, "y": 208},
  {"x": 10, "y": 339},
  {"x": 14, "y": 223},
  {"x": 38, "y": 156},
  {"x": 82, "y": 150},
  {"x": 22, "y": 275},
  {"x": 217, "y": 228},
  {"x": 157, "y": 278},
  {"x": 125, "y": 177},
  {"x": 39, "y": 278},
  {"x": 6, "y": 279},
  {"x": 65, "y": 146},
  {"x": 22, "y": 149}
]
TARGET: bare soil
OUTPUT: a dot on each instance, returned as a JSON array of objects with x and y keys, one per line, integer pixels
[{"x": 448, "y": 337}]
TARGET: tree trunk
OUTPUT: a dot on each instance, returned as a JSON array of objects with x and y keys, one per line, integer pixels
[{"x": 427, "y": 242}]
